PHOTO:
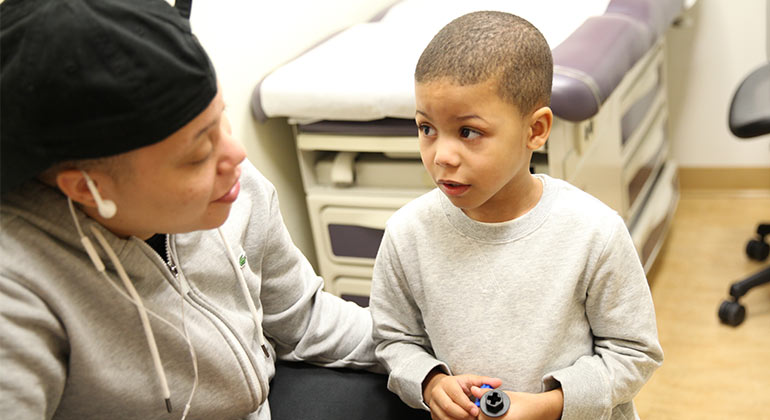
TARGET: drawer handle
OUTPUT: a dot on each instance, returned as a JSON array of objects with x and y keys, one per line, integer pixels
[{"x": 342, "y": 169}]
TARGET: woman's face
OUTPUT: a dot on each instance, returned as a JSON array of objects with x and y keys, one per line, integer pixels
[{"x": 184, "y": 183}]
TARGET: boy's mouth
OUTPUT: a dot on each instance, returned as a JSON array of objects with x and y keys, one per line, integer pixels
[{"x": 452, "y": 188}]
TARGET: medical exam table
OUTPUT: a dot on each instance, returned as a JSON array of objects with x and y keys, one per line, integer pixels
[{"x": 351, "y": 104}]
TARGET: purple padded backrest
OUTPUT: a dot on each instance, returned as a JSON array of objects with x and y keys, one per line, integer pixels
[{"x": 585, "y": 77}]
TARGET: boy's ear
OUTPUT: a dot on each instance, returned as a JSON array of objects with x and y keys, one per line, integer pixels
[
  {"x": 73, "y": 184},
  {"x": 539, "y": 127}
]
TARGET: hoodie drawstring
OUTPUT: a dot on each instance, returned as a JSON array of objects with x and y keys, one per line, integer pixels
[
  {"x": 246, "y": 294},
  {"x": 142, "y": 315}
]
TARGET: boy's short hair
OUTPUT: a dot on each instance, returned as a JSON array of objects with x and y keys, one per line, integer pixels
[{"x": 482, "y": 45}]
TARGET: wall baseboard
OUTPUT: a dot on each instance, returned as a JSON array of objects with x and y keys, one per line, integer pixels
[{"x": 728, "y": 178}]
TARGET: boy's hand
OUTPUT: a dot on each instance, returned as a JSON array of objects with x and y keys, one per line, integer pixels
[
  {"x": 449, "y": 396},
  {"x": 525, "y": 406}
]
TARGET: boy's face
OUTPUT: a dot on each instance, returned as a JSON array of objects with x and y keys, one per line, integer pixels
[
  {"x": 184, "y": 183},
  {"x": 477, "y": 148}
]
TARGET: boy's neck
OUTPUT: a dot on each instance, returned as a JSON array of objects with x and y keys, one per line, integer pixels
[{"x": 528, "y": 194}]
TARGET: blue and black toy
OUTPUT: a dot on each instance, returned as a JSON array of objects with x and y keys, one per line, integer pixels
[{"x": 494, "y": 403}]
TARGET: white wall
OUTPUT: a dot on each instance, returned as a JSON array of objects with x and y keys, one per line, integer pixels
[
  {"x": 248, "y": 39},
  {"x": 723, "y": 42}
]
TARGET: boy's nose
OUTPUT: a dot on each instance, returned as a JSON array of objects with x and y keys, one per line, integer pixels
[{"x": 446, "y": 153}]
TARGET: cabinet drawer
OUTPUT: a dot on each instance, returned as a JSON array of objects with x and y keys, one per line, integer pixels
[
  {"x": 648, "y": 230},
  {"x": 353, "y": 289},
  {"x": 642, "y": 96},
  {"x": 370, "y": 170},
  {"x": 352, "y": 235},
  {"x": 642, "y": 167}
]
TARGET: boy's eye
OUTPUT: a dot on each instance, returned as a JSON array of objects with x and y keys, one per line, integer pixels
[
  {"x": 427, "y": 130},
  {"x": 469, "y": 133}
]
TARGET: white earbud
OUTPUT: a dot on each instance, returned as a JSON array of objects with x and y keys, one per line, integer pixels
[{"x": 107, "y": 208}]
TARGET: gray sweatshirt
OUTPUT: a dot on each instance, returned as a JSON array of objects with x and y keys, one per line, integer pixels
[
  {"x": 72, "y": 348},
  {"x": 557, "y": 296}
]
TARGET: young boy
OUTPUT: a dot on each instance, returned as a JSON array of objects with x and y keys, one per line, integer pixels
[{"x": 521, "y": 278}]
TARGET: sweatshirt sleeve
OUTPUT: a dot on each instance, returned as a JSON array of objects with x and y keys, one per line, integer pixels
[
  {"x": 402, "y": 342},
  {"x": 32, "y": 354},
  {"x": 305, "y": 322},
  {"x": 626, "y": 350}
]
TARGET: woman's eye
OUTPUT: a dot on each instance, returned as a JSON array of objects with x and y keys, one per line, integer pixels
[
  {"x": 200, "y": 161},
  {"x": 202, "y": 155},
  {"x": 469, "y": 133},
  {"x": 427, "y": 130}
]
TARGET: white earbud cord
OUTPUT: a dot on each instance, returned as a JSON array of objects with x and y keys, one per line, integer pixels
[
  {"x": 246, "y": 294},
  {"x": 142, "y": 315},
  {"x": 143, "y": 311}
]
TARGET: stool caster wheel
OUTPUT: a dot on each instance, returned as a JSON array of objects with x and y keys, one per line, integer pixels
[
  {"x": 757, "y": 250},
  {"x": 732, "y": 313}
]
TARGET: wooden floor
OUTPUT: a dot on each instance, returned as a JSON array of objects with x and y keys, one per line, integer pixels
[{"x": 711, "y": 371}]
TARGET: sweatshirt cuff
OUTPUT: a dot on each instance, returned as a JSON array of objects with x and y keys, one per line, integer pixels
[
  {"x": 406, "y": 381},
  {"x": 586, "y": 391}
]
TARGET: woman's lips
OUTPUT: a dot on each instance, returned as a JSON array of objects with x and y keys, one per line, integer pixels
[
  {"x": 453, "y": 188},
  {"x": 231, "y": 195}
]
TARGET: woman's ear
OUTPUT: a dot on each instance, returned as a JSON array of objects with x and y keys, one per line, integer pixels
[
  {"x": 73, "y": 184},
  {"x": 540, "y": 125}
]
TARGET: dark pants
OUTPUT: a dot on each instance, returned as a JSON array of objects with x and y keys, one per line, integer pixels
[{"x": 301, "y": 391}]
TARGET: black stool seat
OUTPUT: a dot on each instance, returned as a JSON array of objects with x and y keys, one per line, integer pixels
[{"x": 750, "y": 110}]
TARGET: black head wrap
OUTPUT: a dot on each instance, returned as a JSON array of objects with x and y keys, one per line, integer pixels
[{"x": 82, "y": 79}]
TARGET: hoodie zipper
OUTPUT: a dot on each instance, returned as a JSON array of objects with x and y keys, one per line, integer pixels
[
  {"x": 261, "y": 394},
  {"x": 170, "y": 261}
]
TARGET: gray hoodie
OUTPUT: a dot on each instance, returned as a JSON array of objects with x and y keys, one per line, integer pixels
[{"x": 71, "y": 347}]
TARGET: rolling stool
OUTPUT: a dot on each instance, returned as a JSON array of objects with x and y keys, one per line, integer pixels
[{"x": 750, "y": 117}]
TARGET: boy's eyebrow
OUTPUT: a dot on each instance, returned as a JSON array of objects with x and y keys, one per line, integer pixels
[
  {"x": 458, "y": 118},
  {"x": 470, "y": 117}
]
